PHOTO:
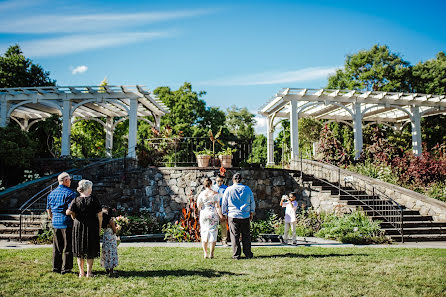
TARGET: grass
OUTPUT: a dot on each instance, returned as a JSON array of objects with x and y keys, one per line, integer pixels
[{"x": 302, "y": 271}]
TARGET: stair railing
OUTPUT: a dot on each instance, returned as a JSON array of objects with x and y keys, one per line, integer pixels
[
  {"x": 110, "y": 166},
  {"x": 391, "y": 211}
]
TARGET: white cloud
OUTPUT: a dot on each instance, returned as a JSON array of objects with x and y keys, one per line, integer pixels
[
  {"x": 261, "y": 124},
  {"x": 270, "y": 78},
  {"x": 90, "y": 22},
  {"x": 79, "y": 69},
  {"x": 79, "y": 43}
]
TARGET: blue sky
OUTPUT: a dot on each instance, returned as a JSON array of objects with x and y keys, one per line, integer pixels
[{"x": 240, "y": 52}]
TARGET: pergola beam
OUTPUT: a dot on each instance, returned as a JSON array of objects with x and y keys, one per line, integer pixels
[
  {"x": 83, "y": 102},
  {"x": 353, "y": 106}
]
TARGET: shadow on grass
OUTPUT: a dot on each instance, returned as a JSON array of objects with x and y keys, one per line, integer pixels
[
  {"x": 163, "y": 273},
  {"x": 291, "y": 255}
]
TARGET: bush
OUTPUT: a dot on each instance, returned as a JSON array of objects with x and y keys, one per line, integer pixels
[
  {"x": 144, "y": 223},
  {"x": 308, "y": 222},
  {"x": 354, "y": 228},
  {"x": 271, "y": 225},
  {"x": 438, "y": 191},
  {"x": 176, "y": 232}
]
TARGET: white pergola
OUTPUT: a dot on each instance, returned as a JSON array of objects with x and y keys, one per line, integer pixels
[
  {"x": 115, "y": 104},
  {"x": 355, "y": 108}
]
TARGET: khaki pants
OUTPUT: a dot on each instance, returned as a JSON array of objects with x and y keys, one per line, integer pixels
[
  {"x": 62, "y": 250},
  {"x": 224, "y": 231},
  {"x": 293, "y": 231}
]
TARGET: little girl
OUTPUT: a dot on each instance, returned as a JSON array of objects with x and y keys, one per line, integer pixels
[
  {"x": 109, "y": 259},
  {"x": 290, "y": 205}
]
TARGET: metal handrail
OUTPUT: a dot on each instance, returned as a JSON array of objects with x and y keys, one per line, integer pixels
[
  {"x": 43, "y": 193},
  {"x": 399, "y": 226}
]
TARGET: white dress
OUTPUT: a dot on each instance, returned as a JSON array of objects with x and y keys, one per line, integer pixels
[{"x": 208, "y": 215}]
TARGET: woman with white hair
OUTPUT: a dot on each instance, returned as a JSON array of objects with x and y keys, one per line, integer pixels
[{"x": 86, "y": 212}]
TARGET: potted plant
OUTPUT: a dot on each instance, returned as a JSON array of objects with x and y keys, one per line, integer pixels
[
  {"x": 203, "y": 157},
  {"x": 225, "y": 157}
]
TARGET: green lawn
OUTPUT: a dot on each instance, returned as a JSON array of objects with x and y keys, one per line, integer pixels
[{"x": 302, "y": 271}]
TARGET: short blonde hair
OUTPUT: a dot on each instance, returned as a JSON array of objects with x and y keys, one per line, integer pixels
[
  {"x": 84, "y": 185},
  {"x": 61, "y": 177}
]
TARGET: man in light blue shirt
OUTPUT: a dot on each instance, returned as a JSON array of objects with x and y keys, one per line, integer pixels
[{"x": 239, "y": 206}]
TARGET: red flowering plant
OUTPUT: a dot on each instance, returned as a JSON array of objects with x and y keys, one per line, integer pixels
[
  {"x": 332, "y": 150},
  {"x": 421, "y": 171}
]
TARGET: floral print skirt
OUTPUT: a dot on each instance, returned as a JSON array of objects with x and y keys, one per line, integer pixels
[
  {"x": 109, "y": 258},
  {"x": 209, "y": 224}
]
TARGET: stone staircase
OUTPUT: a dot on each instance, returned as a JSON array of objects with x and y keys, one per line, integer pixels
[
  {"x": 415, "y": 226},
  {"x": 10, "y": 226}
]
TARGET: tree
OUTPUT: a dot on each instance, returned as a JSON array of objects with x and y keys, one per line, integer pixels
[
  {"x": 430, "y": 76},
  {"x": 259, "y": 150},
  {"x": 17, "y": 150},
  {"x": 186, "y": 109},
  {"x": 377, "y": 69},
  {"x": 240, "y": 123},
  {"x": 18, "y": 71},
  {"x": 47, "y": 134}
]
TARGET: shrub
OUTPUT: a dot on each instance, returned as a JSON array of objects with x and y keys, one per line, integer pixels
[
  {"x": 354, "y": 228},
  {"x": 176, "y": 232},
  {"x": 271, "y": 225},
  {"x": 438, "y": 191},
  {"x": 143, "y": 223}
]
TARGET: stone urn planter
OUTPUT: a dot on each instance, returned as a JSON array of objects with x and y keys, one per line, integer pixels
[
  {"x": 226, "y": 160},
  {"x": 203, "y": 160}
]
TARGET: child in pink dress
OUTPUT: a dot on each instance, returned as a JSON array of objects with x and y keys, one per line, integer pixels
[{"x": 290, "y": 205}]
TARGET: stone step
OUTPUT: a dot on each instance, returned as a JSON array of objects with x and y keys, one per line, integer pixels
[
  {"x": 421, "y": 230},
  {"x": 406, "y": 212},
  {"x": 13, "y": 223},
  {"x": 14, "y": 216},
  {"x": 368, "y": 202},
  {"x": 16, "y": 237},
  {"x": 416, "y": 224},
  {"x": 16, "y": 230},
  {"x": 361, "y": 197},
  {"x": 406, "y": 218},
  {"x": 420, "y": 238}
]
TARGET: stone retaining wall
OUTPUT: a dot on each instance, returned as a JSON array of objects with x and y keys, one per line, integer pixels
[
  {"x": 410, "y": 199},
  {"x": 164, "y": 191}
]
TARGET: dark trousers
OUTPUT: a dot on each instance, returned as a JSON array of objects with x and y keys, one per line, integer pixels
[
  {"x": 62, "y": 250},
  {"x": 237, "y": 227}
]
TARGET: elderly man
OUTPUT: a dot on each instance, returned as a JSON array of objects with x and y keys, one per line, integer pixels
[
  {"x": 57, "y": 203},
  {"x": 239, "y": 206}
]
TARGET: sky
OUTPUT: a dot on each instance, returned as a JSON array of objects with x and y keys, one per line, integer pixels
[{"x": 240, "y": 52}]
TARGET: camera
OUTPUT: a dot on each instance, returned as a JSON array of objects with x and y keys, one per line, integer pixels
[{"x": 284, "y": 198}]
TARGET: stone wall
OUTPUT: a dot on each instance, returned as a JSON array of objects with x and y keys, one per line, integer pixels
[
  {"x": 164, "y": 191},
  {"x": 410, "y": 199}
]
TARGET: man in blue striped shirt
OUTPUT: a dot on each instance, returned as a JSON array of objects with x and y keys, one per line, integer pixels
[
  {"x": 57, "y": 203},
  {"x": 239, "y": 206}
]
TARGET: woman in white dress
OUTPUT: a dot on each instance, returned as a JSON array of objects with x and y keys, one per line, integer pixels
[{"x": 210, "y": 214}]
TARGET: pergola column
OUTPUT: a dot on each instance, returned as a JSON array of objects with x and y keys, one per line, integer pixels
[
  {"x": 294, "y": 132},
  {"x": 66, "y": 127},
  {"x": 109, "y": 137},
  {"x": 270, "y": 142},
  {"x": 4, "y": 113},
  {"x": 416, "y": 130},
  {"x": 133, "y": 127},
  {"x": 157, "y": 119},
  {"x": 357, "y": 129}
]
